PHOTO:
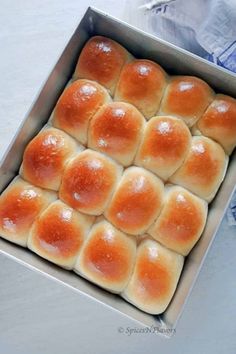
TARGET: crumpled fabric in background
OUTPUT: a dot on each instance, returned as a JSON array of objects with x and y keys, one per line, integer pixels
[{"x": 204, "y": 27}]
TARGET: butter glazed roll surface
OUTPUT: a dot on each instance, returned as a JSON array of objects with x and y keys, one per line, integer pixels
[
  {"x": 186, "y": 97},
  {"x": 77, "y": 105},
  {"x": 155, "y": 277},
  {"x": 219, "y": 122},
  {"x": 136, "y": 201},
  {"x": 203, "y": 169},
  {"x": 46, "y": 156},
  {"x": 88, "y": 182},
  {"x": 164, "y": 146},
  {"x": 181, "y": 221},
  {"x": 116, "y": 130},
  {"x": 142, "y": 83},
  {"x": 58, "y": 234},
  {"x": 107, "y": 257},
  {"x": 20, "y": 204},
  {"x": 101, "y": 60}
]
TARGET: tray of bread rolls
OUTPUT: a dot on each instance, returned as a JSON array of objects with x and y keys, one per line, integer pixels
[{"x": 122, "y": 170}]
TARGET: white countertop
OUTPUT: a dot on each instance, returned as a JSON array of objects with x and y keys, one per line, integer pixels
[{"x": 32, "y": 35}]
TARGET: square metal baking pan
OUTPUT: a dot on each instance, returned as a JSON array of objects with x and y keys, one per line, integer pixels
[{"x": 175, "y": 61}]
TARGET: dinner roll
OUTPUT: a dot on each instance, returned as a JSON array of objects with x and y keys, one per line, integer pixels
[
  {"x": 88, "y": 182},
  {"x": 101, "y": 60},
  {"x": 20, "y": 204},
  {"x": 203, "y": 169},
  {"x": 166, "y": 141},
  {"x": 77, "y": 105},
  {"x": 155, "y": 277},
  {"x": 57, "y": 235},
  {"x": 46, "y": 156},
  {"x": 141, "y": 83},
  {"x": 116, "y": 130},
  {"x": 219, "y": 122},
  {"x": 136, "y": 201},
  {"x": 107, "y": 257},
  {"x": 186, "y": 97},
  {"x": 181, "y": 221}
]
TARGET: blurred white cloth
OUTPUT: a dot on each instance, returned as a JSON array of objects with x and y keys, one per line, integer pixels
[
  {"x": 231, "y": 212},
  {"x": 204, "y": 27}
]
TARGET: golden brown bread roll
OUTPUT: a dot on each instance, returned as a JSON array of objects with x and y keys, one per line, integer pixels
[
  {"x": 76, "y": 106},
  {"x": 58, "y": 234},
  {"x": 136, "y": 202},
  {"x": 219, "y": 122},
  {"x": 141, "y": 83},
  {"x": 164, "y": 146},
  {"x": 203, "y": 169},
  {"x": 20, "y": 204},
  {"x": 46, "y": 156},
  {"x": 116, "y": 131},
  {"x": 101, "y": 60},
  {"x": 88, "y": 182},
  {"x": 155, "y": 277},
  {"x": 107, "y": 257},
  {"x": 186, "y": 97},
  {"x": 181, "y": 221}
]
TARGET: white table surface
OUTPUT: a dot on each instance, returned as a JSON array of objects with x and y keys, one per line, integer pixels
[{"x": 32, "y": 35}]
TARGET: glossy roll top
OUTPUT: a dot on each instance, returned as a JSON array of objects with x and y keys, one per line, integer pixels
[
  {"x": 46, "y": 156},
  {"x": 155, "y": 277},
  {"x": 136, "y": 202},
  {"x": 186, "y": 97},
  {"x": 58, "y": 234},
  {"x": 181, "y": 221},
  {"x": 110, "y": 159},
  {"x": 20, "y": 204},
  {"x": 219, "y": 122},
  {"x": 203, "y": 169},
  {"x": 116, "y": 130},
  {"x": 88, "y": 182},
  {"x": 142, "y": 83},
  {"x": 165, "y": 143},
  {"x": 101, "y": 60},
  {"x": 77, "y": 105},
  {"x": 107, "y": 257}
]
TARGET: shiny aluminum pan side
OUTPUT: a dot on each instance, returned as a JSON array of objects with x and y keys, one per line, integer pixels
[{"x": 175, "y": 61}]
